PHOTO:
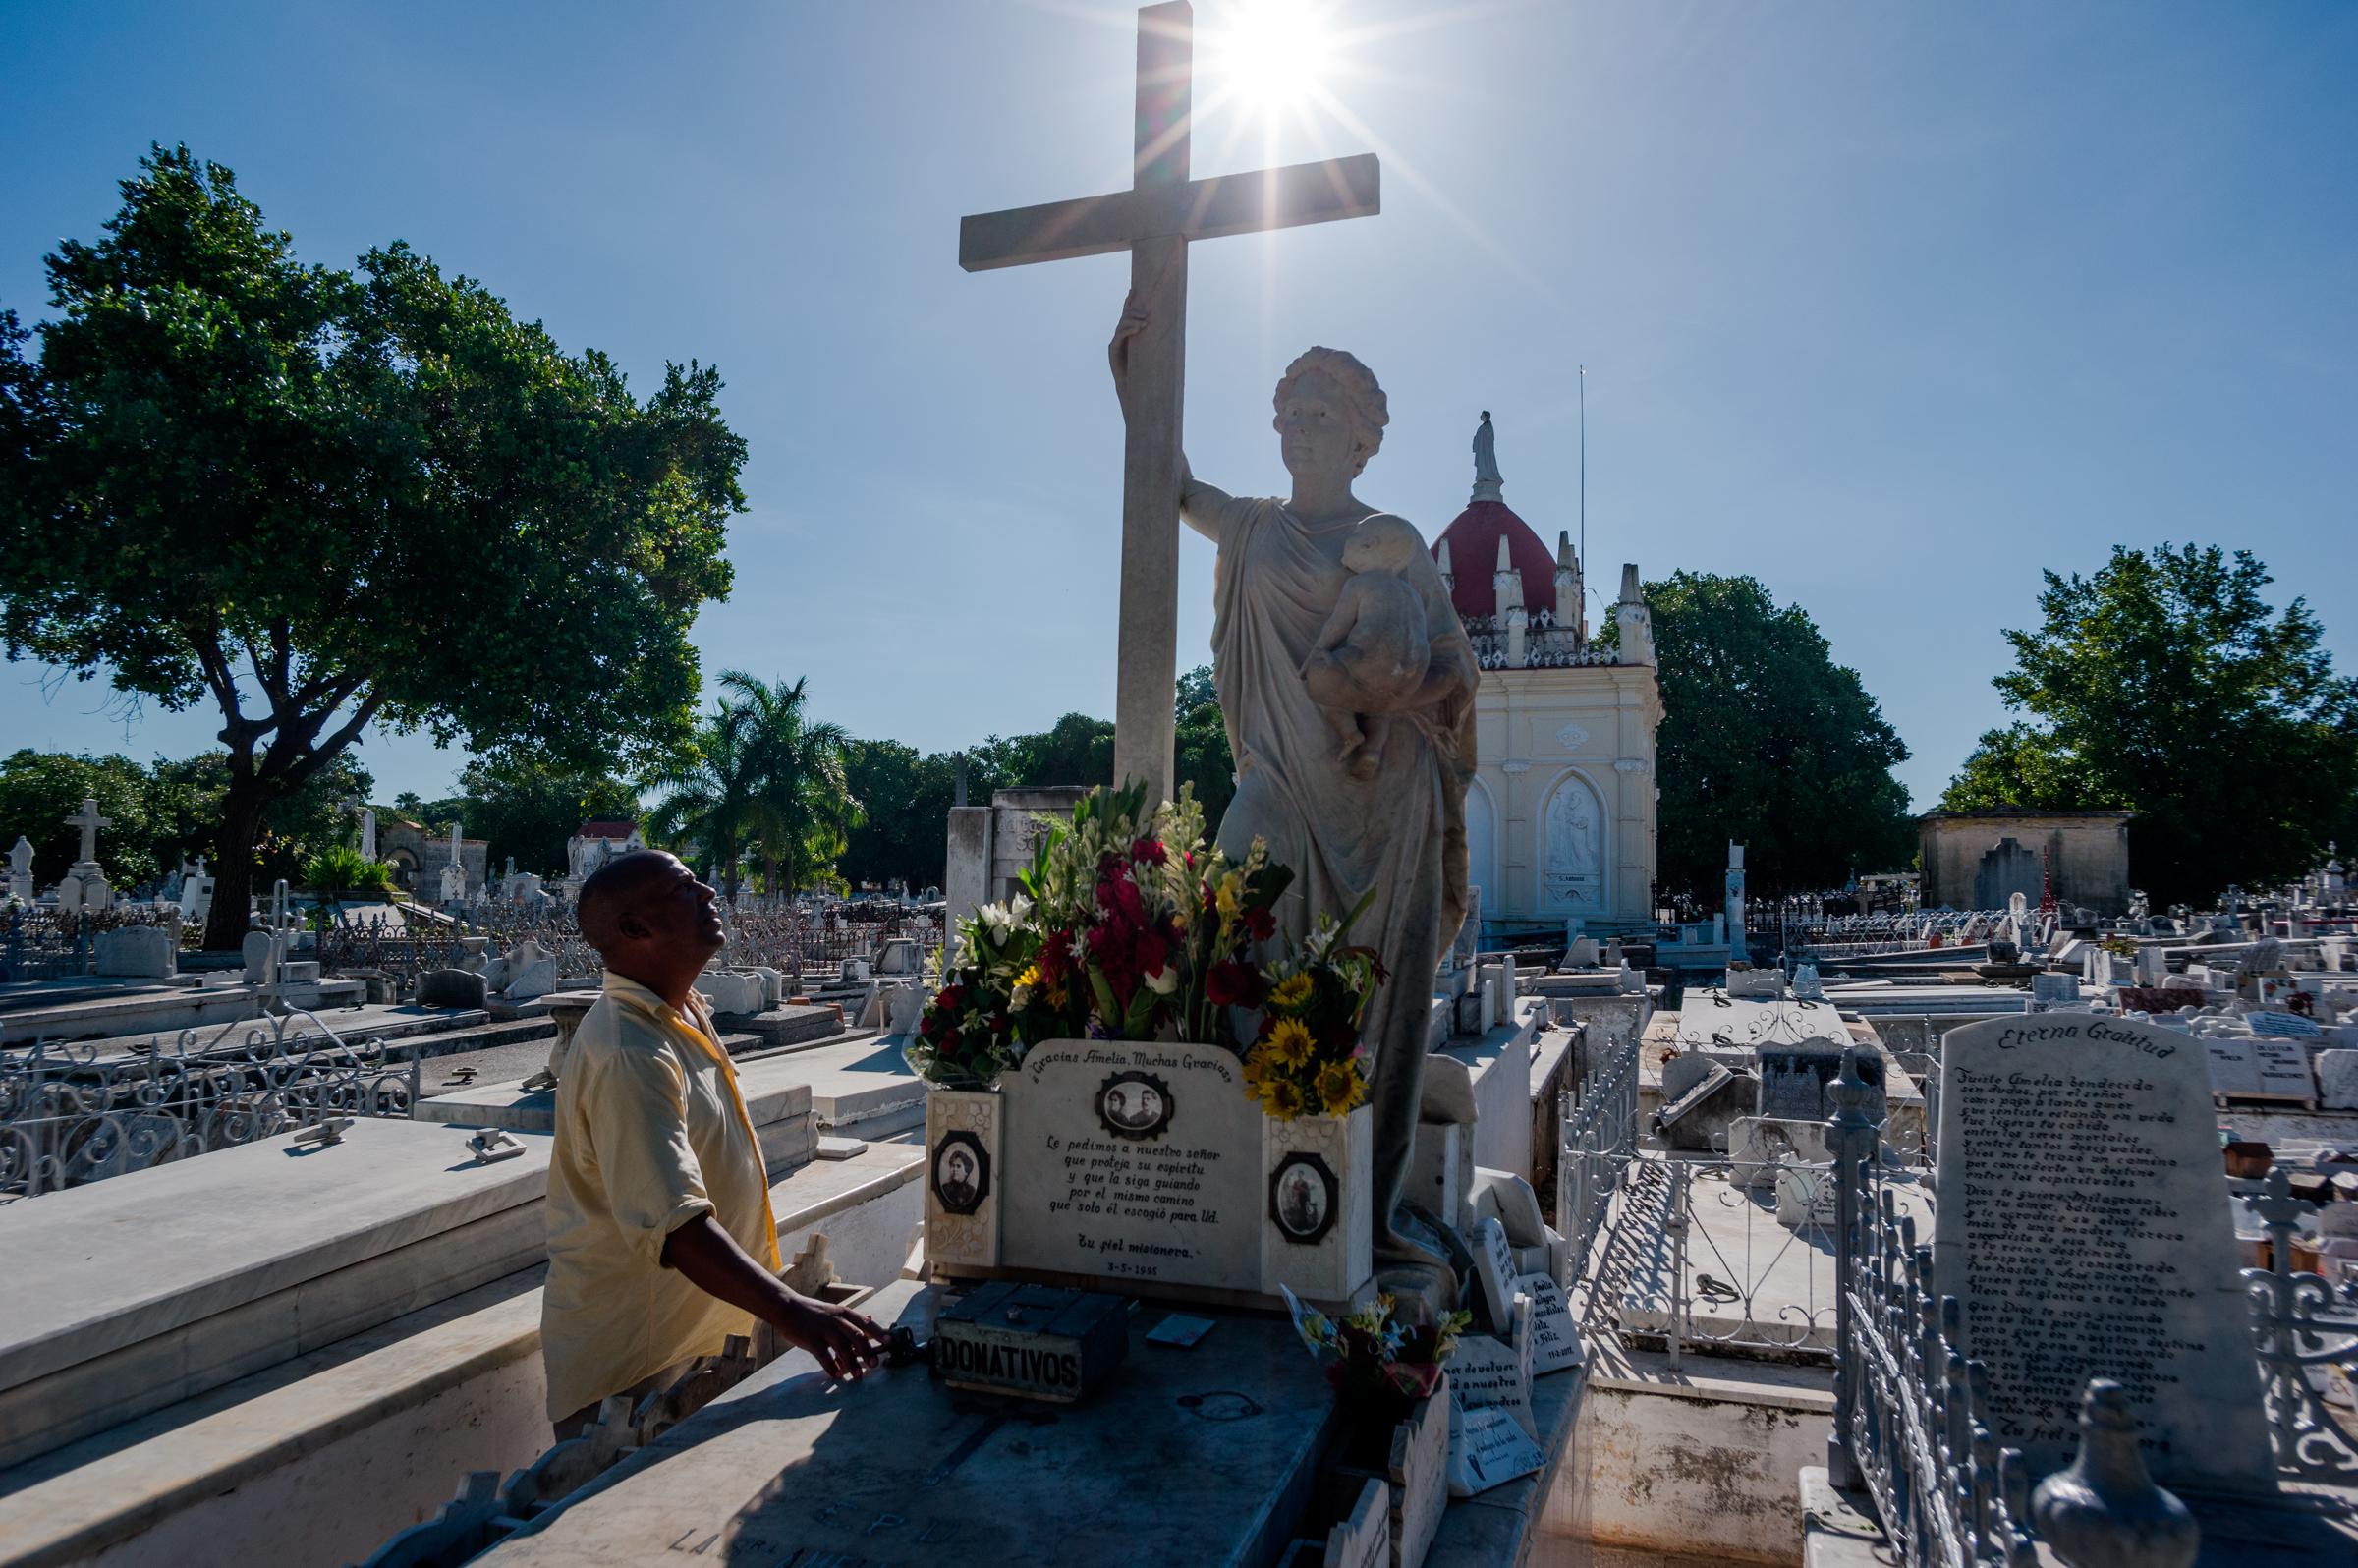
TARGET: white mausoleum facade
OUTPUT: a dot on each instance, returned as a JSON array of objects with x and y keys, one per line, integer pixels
[{"x": 1560, "y": 813}]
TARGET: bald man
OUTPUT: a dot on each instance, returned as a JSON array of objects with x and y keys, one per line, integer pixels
[{"x": 660, "y": 1240}]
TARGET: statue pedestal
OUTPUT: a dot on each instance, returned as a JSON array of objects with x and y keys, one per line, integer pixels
[{"x": 1146, "y": 1168}]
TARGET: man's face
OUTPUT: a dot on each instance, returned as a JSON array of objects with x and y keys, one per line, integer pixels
[{"x": 675, "y": 914}]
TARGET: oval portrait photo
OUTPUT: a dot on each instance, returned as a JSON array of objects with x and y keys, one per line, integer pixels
[
  {"x": 961, "y": 1173},
  {"x": 1303, "y": 1198},
  {"x": 1134, "y": 1105}
]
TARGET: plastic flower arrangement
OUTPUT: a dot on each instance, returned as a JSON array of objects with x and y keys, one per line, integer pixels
[
  {"x": 1307, "y": 1059},
  {"x": 1128, "y": 927},
  {"x": 1379, "y": 1369}
]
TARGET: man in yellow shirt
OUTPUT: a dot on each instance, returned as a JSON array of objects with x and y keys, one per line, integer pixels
[{"x": 661, "y": 1239}]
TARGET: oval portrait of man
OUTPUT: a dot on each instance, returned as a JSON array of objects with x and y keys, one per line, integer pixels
[
  {"x": 1303, "y": 1198},
  {"x": 1134, "y": 1105}
]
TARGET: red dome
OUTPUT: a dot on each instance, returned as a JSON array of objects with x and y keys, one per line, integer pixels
[{"x": 1473, "y": 541}]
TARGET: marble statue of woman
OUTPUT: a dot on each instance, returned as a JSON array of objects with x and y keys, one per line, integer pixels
[{"x": 1400, "y": 831}]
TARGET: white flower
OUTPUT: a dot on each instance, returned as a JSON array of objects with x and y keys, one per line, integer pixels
[
  {"x": 1020, "y": 998},
  {"x": 1163, "y": 981}
]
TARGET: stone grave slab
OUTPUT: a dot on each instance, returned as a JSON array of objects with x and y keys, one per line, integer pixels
[
  {"x": 1554, "y": 1340},
  {"x": 2283, "y": 1068},
  {"x": 147, "y": 1294},
  {"x": 1365, "y": 1539},
  {"x": 2232, "y": 1070},
  {"x": 2082, "y": 1220},
  {"x": 1202, "y": 1455}
]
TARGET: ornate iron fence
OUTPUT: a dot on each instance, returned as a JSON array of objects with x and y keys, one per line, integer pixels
[
  {"x": 1600, "y": 1118},
  {"x": 37, "y": 944},
  {"x": 1910, "y": 1424},
  {"x": 68, "y": 1118}
]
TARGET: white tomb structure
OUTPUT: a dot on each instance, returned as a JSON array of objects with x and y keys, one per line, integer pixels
[
  {"x": 1560, "y": 815},
  {"x": 593, "y": 845}
]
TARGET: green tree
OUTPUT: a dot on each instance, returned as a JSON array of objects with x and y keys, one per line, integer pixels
[
  {"x": 1203, "y": 757},
  {"x": 317, "y": 814},
  {"x": 710, "y": 810},
  {"x": 526, "y": 810},
  {"x": 905, "y": 802},
  {"x": 38, "y": 790},
  {"x": 802, "y": 805},
  {"x": 1768, "y": 741},
  {"x": 2164, "y": 683},
  {"x": 344, "y": 499}
]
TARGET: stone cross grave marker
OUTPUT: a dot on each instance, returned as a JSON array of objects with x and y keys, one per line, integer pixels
[
  {"x": 2082, "y": 1223},
  {"x": 89, "y": 822},
  {"x": 1154, "y": 220}
]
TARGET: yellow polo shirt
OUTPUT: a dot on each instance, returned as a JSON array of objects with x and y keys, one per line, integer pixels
[{"x": 652, "y": 1132}]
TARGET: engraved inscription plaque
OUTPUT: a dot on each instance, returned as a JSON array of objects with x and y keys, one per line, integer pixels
[{"x": 2082, "y": 1221}]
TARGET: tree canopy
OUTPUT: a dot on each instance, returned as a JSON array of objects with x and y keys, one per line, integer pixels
[
  {"x": 166, "y": 814},
  {"x": 529, "y": 811},
  {"x": 905, "y": 797},
  {"x": 2164, "y": 684},
  {"x": 319, "y": 499},
  {"x": 1768, "y": 741}
]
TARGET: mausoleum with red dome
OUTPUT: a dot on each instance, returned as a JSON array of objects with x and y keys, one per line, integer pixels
[{"x": 1560, "y": 812}]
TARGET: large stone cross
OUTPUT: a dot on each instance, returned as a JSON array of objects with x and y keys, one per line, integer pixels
[
  {"x": 1154, "y": 220},
  {"x": 89, "y": 822}
]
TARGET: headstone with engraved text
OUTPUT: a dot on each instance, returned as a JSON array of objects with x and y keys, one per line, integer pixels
[{"x": 2082, "y": 1223}]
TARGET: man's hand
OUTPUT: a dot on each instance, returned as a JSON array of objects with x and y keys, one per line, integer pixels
[{"x": 845, "y": 1343}]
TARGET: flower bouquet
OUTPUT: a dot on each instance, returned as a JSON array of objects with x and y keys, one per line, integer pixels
[
  {"x": 1379, "y": 1369},
  {"x": 1306, "y": 1058},
  {"x": 1128, "y": 927}
]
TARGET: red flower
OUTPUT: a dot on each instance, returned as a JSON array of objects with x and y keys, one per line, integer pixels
[
  {"x": 1149, "y": 850},
  {"x": 1261, "y": 924},
  {"x": 1232, "y": 984},
  {"x": 952, "y": 998},
  {"x": 1149, "y": 952}
]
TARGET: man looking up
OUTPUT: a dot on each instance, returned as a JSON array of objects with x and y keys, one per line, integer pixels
[{"x": 660, "y": 1240}]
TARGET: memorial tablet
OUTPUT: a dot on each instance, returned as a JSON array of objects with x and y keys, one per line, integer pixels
[
  {"x": 1136, "y": 1162},
  {"x": 2082, "y": 1222}
]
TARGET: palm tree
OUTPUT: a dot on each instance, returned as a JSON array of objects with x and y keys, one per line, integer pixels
[
  {"x": 802, "y": 805},
  {"x": 710, "y": 792}
]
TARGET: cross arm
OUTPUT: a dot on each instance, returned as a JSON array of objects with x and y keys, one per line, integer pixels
[{"x": 1197, "y": 209}]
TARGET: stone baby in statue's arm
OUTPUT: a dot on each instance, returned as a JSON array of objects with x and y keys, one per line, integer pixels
[{"x": 1371, "y": 656}]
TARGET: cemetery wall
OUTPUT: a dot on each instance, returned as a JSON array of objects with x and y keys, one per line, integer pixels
[{"x": 2087, "y": 854}]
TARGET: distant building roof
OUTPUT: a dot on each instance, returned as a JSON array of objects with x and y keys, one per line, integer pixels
[{"x": 1473, "y": 540}]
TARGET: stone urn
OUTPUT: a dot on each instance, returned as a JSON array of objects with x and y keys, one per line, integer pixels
[{"x": 2105, "y": 1511}]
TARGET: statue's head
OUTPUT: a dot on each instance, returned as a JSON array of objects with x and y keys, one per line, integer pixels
[
  {"x": 1382, "y": 543},
  {"x": 1329, "y": 411}
]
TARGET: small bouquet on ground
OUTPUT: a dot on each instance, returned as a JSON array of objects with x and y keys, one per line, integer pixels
[
  {"x": 1379, "y": 1369},
  {"x": 1307, "y": 1059}
]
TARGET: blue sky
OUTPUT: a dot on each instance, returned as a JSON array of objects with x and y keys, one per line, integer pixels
[{"x": 1888, "y": 305}]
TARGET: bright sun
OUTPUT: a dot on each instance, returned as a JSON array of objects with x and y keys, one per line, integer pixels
[{"x": 1274, "y": 51}]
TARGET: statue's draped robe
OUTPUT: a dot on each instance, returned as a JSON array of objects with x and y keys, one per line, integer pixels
[{"x": 1401, "y": 832}]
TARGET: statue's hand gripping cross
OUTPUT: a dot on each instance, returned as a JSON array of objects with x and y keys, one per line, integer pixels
[{"x": 1154, "y": 220}]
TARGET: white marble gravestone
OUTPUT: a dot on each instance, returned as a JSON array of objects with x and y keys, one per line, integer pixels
[
  {"x": 1365, "y": 1539},
  {"x": 2082, "y": 1223},
  {"x": 1131, "y": 1164}
]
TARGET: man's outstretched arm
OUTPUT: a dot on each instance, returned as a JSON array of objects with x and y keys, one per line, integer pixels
[{"x": 846, "y": 1343}]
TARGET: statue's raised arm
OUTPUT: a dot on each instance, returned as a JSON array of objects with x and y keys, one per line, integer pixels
[{"x": 1199, "y": 504}]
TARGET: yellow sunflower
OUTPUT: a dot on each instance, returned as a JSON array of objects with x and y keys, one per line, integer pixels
[
  {"x": 1339, "y": 1088},
  {"x": 1290, "y": 994},
  {"x": 1283, "y": 1098},
  {"x": 1256, "y": 1065},
  {"x": 1288, "y": 1043}
]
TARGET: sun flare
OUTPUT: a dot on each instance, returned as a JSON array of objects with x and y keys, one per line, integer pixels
[{"x": 1273, "y": 53}]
